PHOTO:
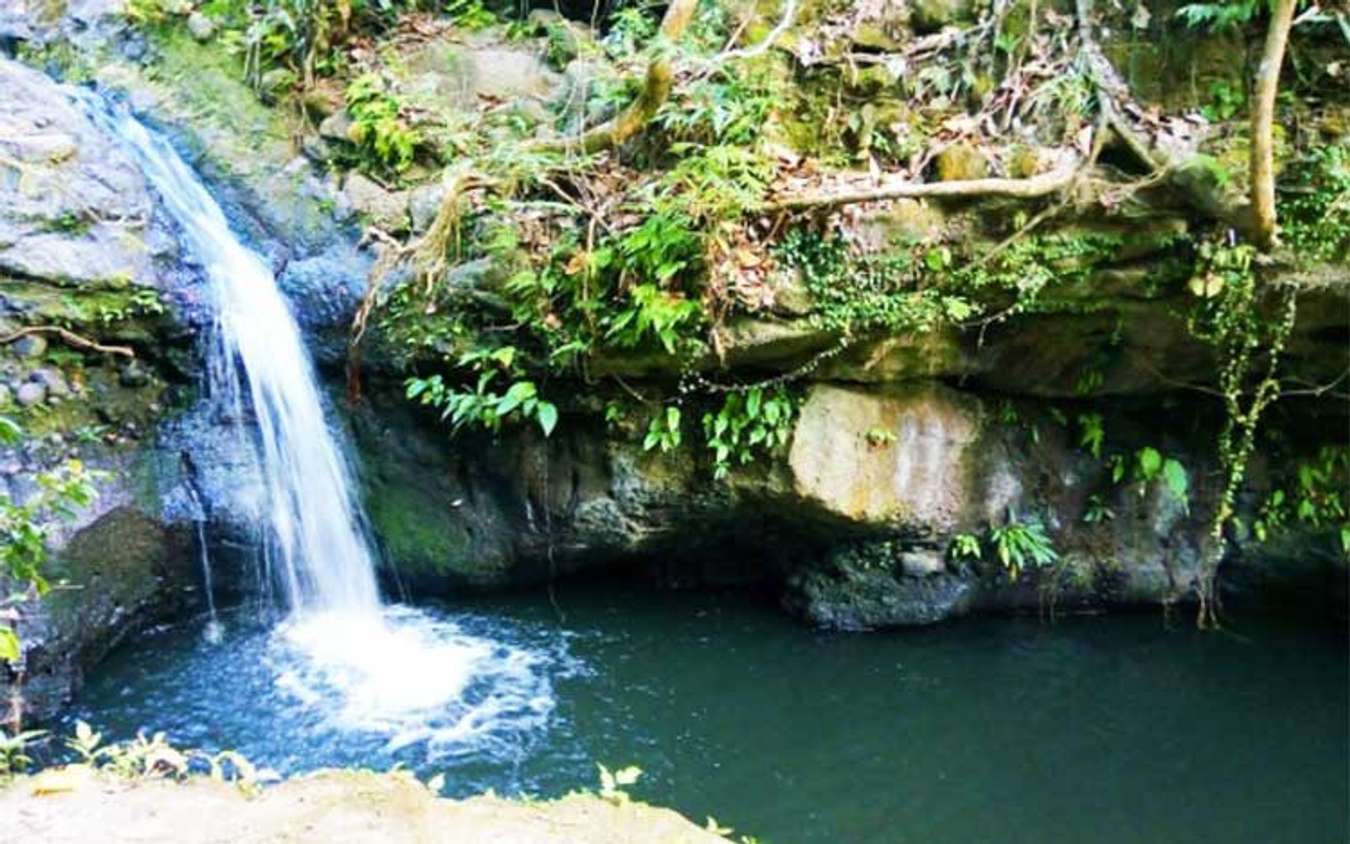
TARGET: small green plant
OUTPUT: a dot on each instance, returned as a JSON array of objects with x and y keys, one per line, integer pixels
[
  {"x": 25, "y": 527},
  {"x": 1021, "y": 545},
  {"x": 156, "y": 757},
  {"x": 470, "y": 14},
  {"x": 385, "y": 140},
  {"x": 142, "y": 301},
  {"x": 1097, "y": 511},
  {"x": 1318, "y": 498},
  {"x": 614, "y": 783},
  {"x": 879, "y": 437},
  {"x": 1226, "y": 102},
  {"x": 663, "y": 431},
  {"x": 1220, "y": 16},
  {"x": 965, "y": 546},
  {"x": 483, "y": 406},
  {"x": 747, "y": 424},
  {"x": 1091, "y": 433},
  {"x": 147, "y": 12},
  {"x": 653, "y": 314},
  {"x": 1150, "y": 465},
  {"x": 14, "y": 758}
]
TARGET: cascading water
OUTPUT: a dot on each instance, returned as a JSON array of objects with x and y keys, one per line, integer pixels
[
  {"x": 325, "y": 561},
  {"x": 340, "y": 652}
]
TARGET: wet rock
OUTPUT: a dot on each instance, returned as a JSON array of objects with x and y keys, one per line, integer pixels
[
  {"x": 923, "y": 478},
  {"x": 567, "y": 39},
  {"x": 445, "y": 71},
  {"x": 52, "y": 379},
  {"x": 47, "y": 230},
  {"x": 932, "y": 15},
  {"x": 860, "y": 589},
  {"x": 274, "y": 83},
  {"x": 336, "y": 126},
  {"x": 424, "y": 203},
  {"x": 30, "y": 393},
  {"x": 922, "y": 563},
  {"x": 317, "y": 149},
  {"x": 961, "y": 162},
  {"x": 30, "y": 346}
]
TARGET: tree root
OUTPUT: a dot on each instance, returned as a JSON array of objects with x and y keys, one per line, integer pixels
[
  {"x": 69, "y": 337},
  {"x": 660, "y": 78}
]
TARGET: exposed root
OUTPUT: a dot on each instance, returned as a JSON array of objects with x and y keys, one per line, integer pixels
[
  {"x": 660, "y": 78},
  {"x": 1028, "y": 188},
  {"x": 1181, "y": 168}
]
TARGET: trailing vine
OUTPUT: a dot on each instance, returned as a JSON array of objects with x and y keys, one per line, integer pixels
[{"x": 1233, "y": 321}]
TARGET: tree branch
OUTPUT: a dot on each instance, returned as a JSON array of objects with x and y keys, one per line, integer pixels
[
  {"x": 1183, "y": 169},
  {"x": 1029, "y": 188},
  {"x": 70, "y": 337}
]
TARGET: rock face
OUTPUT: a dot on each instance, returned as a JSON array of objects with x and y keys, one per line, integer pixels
[
  {"x": 885, "y": 458},
  {"x": 856, "y": 517},
  {"x": 77, "y": 209},
  {"x": 84, "y": 245}
]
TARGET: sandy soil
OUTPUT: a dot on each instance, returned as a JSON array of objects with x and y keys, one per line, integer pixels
[{"x": 75, "y": 805}]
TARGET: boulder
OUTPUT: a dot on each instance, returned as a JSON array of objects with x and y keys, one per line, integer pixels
[{"x": 924, "y": 479}]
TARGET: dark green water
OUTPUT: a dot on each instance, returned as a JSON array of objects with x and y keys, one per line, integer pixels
[{"x": 1104, "y": 729}]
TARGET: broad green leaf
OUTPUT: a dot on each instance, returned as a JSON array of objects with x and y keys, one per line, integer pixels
[
  {"x": 548, "y": 417},
  {"x": 9, "y": 645},
  {"x": 1149, "y": 461},
  {"x": 1174, "y": 475},
  {"x": 519, "y": 392}
]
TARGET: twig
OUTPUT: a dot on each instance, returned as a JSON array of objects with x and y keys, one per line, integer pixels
[{"x": 69, "y": 337}]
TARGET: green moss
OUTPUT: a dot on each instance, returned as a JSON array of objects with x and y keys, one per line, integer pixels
[{"x": 416, "y": 532}]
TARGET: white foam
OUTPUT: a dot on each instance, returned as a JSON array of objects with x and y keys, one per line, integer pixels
[{"x": 413, "y": 678}]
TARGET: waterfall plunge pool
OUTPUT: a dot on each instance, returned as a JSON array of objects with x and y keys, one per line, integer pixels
[{"x": 1104, "y": 729}]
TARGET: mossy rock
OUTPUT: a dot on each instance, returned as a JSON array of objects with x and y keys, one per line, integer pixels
[{"x": 961, "y": 162}]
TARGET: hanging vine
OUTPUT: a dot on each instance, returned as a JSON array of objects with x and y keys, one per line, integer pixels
[{"x": 1235, "y": 322}]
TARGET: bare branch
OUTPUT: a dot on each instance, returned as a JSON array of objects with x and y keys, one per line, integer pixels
[
  {"x": 1029, "y": 188},
  {"x": 69, "y": 337}
]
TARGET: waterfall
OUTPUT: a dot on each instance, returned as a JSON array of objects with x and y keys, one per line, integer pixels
[
  {"x": 408, "y": 674},
  {"x": 321, "y": 554}
]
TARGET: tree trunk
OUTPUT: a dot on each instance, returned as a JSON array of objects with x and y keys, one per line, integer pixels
[{"x": 1263, "y": 116}]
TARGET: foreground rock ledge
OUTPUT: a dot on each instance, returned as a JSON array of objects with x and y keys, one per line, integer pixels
[{"x": 72, "y": 805}]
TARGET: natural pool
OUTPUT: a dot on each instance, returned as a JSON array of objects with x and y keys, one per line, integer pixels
[{"x": 1099, "y": 729}]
